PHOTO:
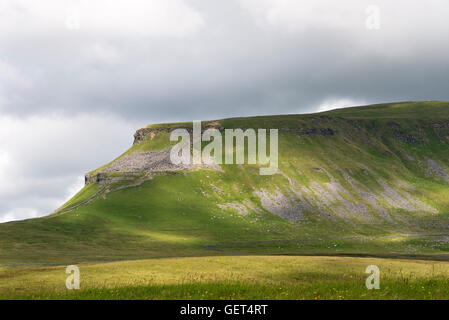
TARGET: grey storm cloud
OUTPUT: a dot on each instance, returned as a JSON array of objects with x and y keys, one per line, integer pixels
[
  {"x": 245, "y": 57},
  {"x": 80, "y": 76}
]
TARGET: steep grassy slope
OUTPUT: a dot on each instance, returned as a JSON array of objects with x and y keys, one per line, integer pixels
[{"x": 351, "y": 181}]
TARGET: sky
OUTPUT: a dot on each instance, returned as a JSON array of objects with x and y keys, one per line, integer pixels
[{"x": 79, "y": 77}]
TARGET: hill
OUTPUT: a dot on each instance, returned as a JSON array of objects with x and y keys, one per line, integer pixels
[{"x": 367, "y": 180}]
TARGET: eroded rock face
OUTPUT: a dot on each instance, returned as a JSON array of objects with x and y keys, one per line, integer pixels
[{"x": 136, "y": 163}]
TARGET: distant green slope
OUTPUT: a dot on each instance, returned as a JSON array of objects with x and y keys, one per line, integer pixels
[{"x": 350, "y": 176}]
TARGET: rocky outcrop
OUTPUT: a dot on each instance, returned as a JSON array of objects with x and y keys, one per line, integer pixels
[
  {"x": 105, "y": 178},
  {"x": 409, "y": 138},
  {"x": 312, "y": 131},
  {"x": 149, "y": 133},
  {"x": 139, "y": 162}
]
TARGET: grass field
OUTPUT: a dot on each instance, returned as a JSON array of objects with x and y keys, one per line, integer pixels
[{"x": 233, "y": 277}]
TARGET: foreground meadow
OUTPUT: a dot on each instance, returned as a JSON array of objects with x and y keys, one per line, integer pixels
[{"x": 233, "y": 277}]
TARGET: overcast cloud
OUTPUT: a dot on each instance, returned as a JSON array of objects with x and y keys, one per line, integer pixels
[{"x": 77, "y": 78}]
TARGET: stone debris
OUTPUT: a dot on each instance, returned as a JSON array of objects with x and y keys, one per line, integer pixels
[
  {"x": 332, "y": 200},
  {"x": 279, "y": 204},
  {"x": 435, "y": 169},
  {"x": 148, "y": 161},
  {"x": 404, "y": 201}
]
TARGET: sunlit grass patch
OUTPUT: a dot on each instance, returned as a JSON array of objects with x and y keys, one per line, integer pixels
[{"x": 242, "y": 277}]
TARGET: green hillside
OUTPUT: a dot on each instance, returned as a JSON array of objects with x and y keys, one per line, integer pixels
[{"x": 367, "y": 180}]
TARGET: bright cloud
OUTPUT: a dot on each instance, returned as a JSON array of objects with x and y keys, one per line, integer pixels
[
  {"x": 331, "y": 104},
  {"x": 94, "y": 17},
  {"x": 19, "y": 214},
  {"x": 43, "y": 158},
  {"x": 411, "y": 22}
]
